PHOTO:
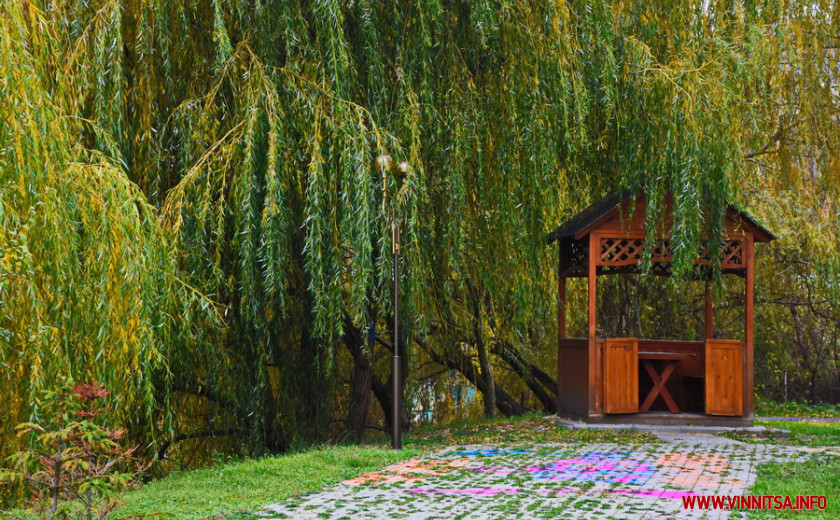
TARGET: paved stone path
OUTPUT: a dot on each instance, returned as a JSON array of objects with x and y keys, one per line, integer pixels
[
  {"x": 578, "y": 481},
  {"x": 799, "y": 419}
]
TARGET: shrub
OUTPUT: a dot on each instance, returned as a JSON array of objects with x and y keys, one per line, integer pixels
[{"x": 73, "y": 468}]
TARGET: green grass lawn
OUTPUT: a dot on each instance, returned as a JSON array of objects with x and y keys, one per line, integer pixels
[
  {"x": 767, "y": 408},
  {"x": 820, "y": 476},
  {"x": 802, "y": 433},
  {"x": 807, "y": 433},
  {"x": 231, "y": 490},
  {"x": 234, "y": 490},
  {"x": 815, "y": 477}
]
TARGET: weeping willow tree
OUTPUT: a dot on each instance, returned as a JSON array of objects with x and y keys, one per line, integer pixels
[
  {"x": 89, "y": 288},
  {"x": 191, "y": 210},
  {"x": 793, "y": 163},
  {"x": 279, "y": 212}
]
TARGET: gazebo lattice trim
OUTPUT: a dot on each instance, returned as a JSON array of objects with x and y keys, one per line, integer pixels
[{"x": 617, "y": 254}]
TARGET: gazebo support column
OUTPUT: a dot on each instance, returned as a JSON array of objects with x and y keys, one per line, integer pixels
[
  {"x": 561, "y": 320},
  {"x": 710, "y": 313},
  {"x": 594, "y": 365},
  {"x": 749, "y": 330}
]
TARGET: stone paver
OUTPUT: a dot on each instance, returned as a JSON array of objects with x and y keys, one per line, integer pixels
[{"x": 580, "y": 481}]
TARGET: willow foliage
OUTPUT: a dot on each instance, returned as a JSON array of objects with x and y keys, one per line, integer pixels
[
  {"x": 164, "y": 159},
  {"x": 490, "y": 104},
  {"x": 88, "y": 285}
]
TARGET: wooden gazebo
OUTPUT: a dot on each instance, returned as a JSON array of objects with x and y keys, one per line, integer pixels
[{"x": 683, "y": 382}]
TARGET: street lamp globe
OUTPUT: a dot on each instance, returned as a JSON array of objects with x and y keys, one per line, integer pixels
[
  {"x": 384, "y": 161},
  {"x": 402, "y": 168}
]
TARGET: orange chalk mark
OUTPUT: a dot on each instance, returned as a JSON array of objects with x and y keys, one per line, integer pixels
[{"x": 408, "y": 471}]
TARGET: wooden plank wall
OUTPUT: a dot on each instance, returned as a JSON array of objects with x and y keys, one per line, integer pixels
[
  {"x": 621, "y": 375},
  {"x": 724, "y": 377},
  {"x": 574, "y": 376}
]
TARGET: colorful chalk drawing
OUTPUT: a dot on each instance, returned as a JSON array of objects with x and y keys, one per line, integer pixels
[
  {"x": 595, "y": 466},
  {"x": 586, "y": 481},
  {"x": 675, "y": 495},
  {"x": 612, "y": 467},
  {"x": 414, "y": 470},
  {"x": 700, "y": 469}
]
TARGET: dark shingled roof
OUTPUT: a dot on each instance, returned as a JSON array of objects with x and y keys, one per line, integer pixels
[
  {"x": 609, "y": 202},
  {"x": 746, "y": 215},
  {"x": 588, "y": 216}
]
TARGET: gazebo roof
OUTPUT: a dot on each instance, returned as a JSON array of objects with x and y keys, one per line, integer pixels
[{"x": 589, "y": 219}]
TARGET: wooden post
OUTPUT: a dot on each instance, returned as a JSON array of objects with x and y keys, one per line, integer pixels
[
  {"x": 710, "y": 313},
  {"x": 749, "y": 325},
  {"x": 561, "y": 318},
  {"x": 594, "y": 383}
]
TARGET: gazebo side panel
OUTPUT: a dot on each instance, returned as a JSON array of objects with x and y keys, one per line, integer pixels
[{"x": 574, "y": 377}]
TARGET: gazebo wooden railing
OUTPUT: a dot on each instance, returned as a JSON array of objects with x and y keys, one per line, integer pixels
[{"x": 598, "y": 378}]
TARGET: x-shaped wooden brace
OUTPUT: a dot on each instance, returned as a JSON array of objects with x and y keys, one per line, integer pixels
[{"x": 659, "y": 387}]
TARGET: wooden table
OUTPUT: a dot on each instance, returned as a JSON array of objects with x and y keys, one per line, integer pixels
[{"x": 671, "y": 359}]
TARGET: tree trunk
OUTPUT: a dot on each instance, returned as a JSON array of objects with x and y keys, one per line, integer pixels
[
  {"x": 361, "y": 386},
  {"x": 483, "y": 359},
  {"x": 354, "y": 341},
  {"x": 360, "y": 397},
  {"x": 487, "y": 376},
  {"x": 544, "y": 390}
]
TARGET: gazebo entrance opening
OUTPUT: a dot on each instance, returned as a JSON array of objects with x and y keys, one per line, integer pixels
[{"x": 708, "y": 381}]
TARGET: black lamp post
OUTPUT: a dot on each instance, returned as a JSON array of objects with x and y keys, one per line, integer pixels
[{"x": 384, "y": 162}]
